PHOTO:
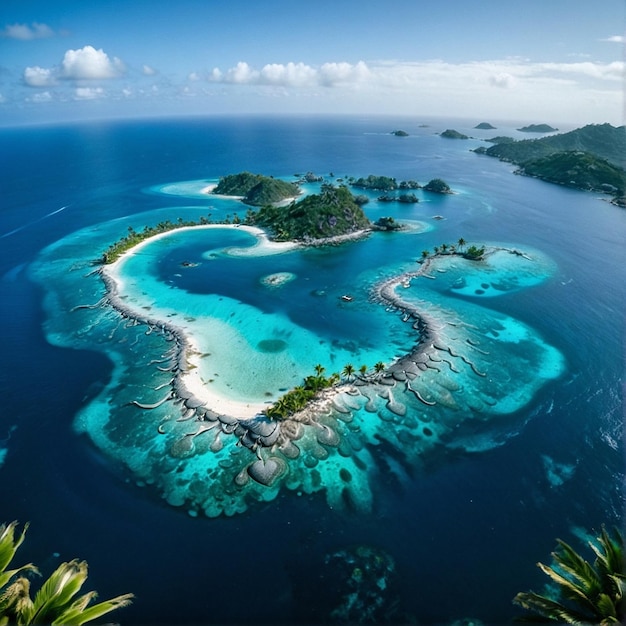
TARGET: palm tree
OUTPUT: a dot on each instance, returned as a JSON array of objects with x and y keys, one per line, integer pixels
[
  {"x": 461, "y": 242},
  {"x": 348, "y": 370},
  {"x": 55, "y": 602},
  {"x": 436, "y": 249},
  {"x": 587, "y": 594},
  {"x": 363, "y": 370},
  {"x": 444, "y": 247},
  {"x": 425, "y": 254},
  {"x": 319, "y": 369},
  {"x": 379, "y": 368}
]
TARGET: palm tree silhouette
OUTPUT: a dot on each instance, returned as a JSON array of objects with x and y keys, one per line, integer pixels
[{"x": 587, "y": 594}]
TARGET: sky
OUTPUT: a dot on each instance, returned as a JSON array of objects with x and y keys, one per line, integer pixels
[{"x": 542, "y": 61}]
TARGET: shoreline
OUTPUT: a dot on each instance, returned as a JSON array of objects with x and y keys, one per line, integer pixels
[{"x": 245, "y": 419}]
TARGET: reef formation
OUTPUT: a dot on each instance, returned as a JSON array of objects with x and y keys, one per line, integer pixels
[{"x": 447, "y": 386}]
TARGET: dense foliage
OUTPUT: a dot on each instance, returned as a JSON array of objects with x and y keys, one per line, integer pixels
[
  {"x": 256, "y": 189},
  {"x": 380, "y": 183},
  {"x": 602, "y": 140},
  {"x": 577, "y": 169},
  {"x": 330, "y": 213},
  {"x": 436, "y": 185}
]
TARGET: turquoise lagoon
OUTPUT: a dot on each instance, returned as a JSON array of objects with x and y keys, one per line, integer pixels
[{"x": 260, "y": 319}]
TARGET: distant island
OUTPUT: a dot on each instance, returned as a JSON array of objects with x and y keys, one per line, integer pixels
[
  {"x": 589, "y": 158},
  {"x": 485, "y": 126},
  {"x": 537, "y": 128},
  {"x": 400, "y": 133},
  {"x": 450, "y": 133},
  {"x": 256, "y": 189}
]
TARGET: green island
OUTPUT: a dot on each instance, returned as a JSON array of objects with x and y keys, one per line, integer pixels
[
  {"x": 537, "y": 128},
  {"x": 484, "y": 126},
  {"x": 332, "y": 213},
  {"x": 256, "y": 189},
  {"x": 400, "y": 133},
  {"x": 437, "y": 185},
  {"x": 450, "y": 133},
  {"x": 588, "y": 158}
]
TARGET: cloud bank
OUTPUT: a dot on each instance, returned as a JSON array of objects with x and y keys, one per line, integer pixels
[{"x": 25, "y": 32}]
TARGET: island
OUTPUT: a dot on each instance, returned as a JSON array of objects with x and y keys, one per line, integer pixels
[
  {"x": 332, "y": 213},
  {"x": 437, "y": 185},
  {"x": 256, "y": 189},
  {"x": 537, "y": 128},
  {"x": 588, "y": 158},
  {"x": 400, "y": 133},
  {"x": 485, "y": 126},
  {"x": 450, "y": 133}
]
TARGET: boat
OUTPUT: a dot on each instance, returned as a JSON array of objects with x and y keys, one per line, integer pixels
[{"x": 347, "y": 298}]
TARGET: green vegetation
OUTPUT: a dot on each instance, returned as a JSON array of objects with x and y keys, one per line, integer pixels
[
  {"x": 591, "y": 157},
  {"x": 55, "y": 602},
  {"x": 582, "y": 593},
  {"x": 577, "y": 169},
  {"x": 474, "y": 253},
  {"x": 537, "y": 128},
  {"x": 256, "y": 189},
  {"x": 602, "y": 140},
  {"x": 380, "y": 183},
  {"x": 114, "y": 251},
  {"x": 453, "y": 134},
  {"x": 297, "y": 398},
  {"x": 330, "y": 213},
  {"x": 436, "y": 185},
  {"x": 387, "y": 223},
  {"x": 485, "y": 126}
]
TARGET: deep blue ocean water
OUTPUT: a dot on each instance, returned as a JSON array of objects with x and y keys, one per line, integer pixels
[{"x": 466, "y": 526}]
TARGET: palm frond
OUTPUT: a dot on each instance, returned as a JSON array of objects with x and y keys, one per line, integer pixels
[
  {"x": 547, "y": 608},
  {"x": 6, "y": 576},
  {"x": 568, "y": 588},
  {"x": 78, "y": 615},
  {"x": 581, "y": 570},
  {"x": 57, "y": 592},
  {"x": 8, "y": 543}
]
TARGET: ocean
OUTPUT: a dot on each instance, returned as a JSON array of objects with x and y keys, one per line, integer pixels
[{"x": 420, "y": 529}]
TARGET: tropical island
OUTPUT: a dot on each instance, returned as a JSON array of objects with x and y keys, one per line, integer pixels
[
  {"x": 485, "y": 126},
  {"x": 450, "y": 133},
  {"x": 400, "y": 133},
  {"x": 333, "y": 212},
  {"x": 588, "y": 158},
  {"x": 255, "y": 189},
  {"x": 537, "y": 128}
]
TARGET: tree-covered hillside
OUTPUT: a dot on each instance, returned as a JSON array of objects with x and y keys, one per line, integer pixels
[
  {"x": 602, "y": 140},
  {"x": 577, "y": 169},
  {"x": 256, "y": 189},
  {"x": 330, "y": 213}
]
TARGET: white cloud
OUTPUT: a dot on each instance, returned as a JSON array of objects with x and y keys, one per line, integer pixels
[
  {"x": 148, "y": 71},
  {"x": 290, "y": 74},
  {"x": 194, "y": 76},
  {"x": 88, "y": 93},
  {"x": 39, "y": 77},
  {"x": 615, "y": 39},
  {"x": 44, "y": 96},
  {"x": 293, "y": 74},
  {"x": 26, "y": 32},
  {"x": 89, "y": 63},
  {"x": 503, "y": 80}
]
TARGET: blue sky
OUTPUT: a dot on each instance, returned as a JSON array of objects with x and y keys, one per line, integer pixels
[{"x": 554, "y": 61}]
